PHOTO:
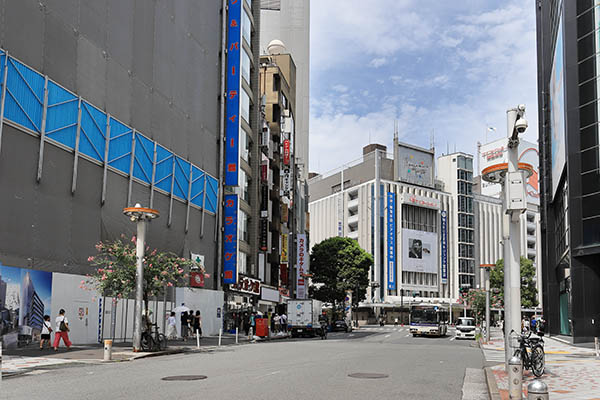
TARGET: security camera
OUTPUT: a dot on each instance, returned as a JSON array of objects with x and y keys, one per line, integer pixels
[{"x": 521, "y": 125}]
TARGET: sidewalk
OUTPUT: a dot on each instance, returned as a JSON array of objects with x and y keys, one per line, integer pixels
[
  {"x": 16, "y": 361},
  {"x": 571, "y": 372}
]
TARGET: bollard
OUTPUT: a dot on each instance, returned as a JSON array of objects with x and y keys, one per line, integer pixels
[
  {"x": 537, "y": 390},
  {"x": 515, "y": 378},
  {"x": 108, "y": 349},
  {"x": 597, "y": 347},
  {"x": 236, "y": 335},
  {"x": 220, "y": 333},
  {"x": 197, "y": 339}
]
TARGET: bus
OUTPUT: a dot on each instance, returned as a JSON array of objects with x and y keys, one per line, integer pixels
[{"x": 428, "y": 319}]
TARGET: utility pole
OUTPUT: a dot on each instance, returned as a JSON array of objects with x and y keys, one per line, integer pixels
[{"x": 376, "y": 212}]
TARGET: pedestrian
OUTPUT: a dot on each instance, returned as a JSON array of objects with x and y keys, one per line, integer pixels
[
  {"x": 253, "y": 323},
  {"x": 46, "y": 329},
  {"x": 396, "y": 321},
  {"x": 246, "y": 323},
  {"x": 198, "y": 324},
  {"x": 62, "y": 330},
  {"x": 192, "y": 332},
  {"x": 533, "y": 324},
  {"x": 524, "y": 325},
  {"x": 283, "y": 319},
  {"x": 171, "y": 326},
  {"x": 184, "y": 325}
]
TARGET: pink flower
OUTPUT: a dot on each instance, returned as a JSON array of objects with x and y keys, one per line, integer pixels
[
  {"x": 150, "y": 265},
  {"x": 163, "y": 273},
  {"x": 100, "y": 270},
  {"x": 109, "y": 271},
  {"x": 133, "y": 239},
  {"x": 180, "y": 270},
  {"x": 103, "y": 277},
  {"x": 83, "y": 282},
  {"x": 153, "y": 252},
  {"x": 169, "y": 284},
  {"x": 90, "y": 259}
]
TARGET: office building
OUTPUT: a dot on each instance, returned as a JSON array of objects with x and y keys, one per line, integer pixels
[{"x": 567, "y": 49}]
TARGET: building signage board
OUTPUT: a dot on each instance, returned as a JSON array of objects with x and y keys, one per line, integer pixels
[
  {"x": 444, "y": 247},
  {"x": 391, "y": 241},
  {"x": 340, "y": 215},
  {"x": 264, "y": 168},
  {"x": 230, "y": 238},
  {"x": 283, "y": 274},
  {"x": 269, "y": 294},
  {"x": 247, "y": 285},
  {"x": 287, "y": 182},
  {"x": 301, "y": 266},
  {"x": 198, "y": 259},
  {"x": 414, "y": 165},
  {"x": 264, "y": 228},
  {"x": 557, "y": 110},
  {"x": 232, "y": 127},
  {"x": 419, "y": 201},
  {"x": 284, "y": 248},
  {"x": 419, "y": 251},
  {"x": 286, "y": 152}
]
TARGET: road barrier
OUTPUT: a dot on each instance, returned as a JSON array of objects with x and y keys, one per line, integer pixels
[
  {"x": 108, "y": 349},
  {"x": 515, "y": 378},
  {"x": 537, "y": 390}
]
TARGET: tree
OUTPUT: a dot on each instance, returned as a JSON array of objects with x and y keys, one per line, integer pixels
[
  {"x": 528, "y": 288},
  {"x": 339, "y": 264},
  {"x": 115, "y": 269}
]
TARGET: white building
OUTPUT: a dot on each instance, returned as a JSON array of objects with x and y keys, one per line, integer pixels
[{"x": 289, "y": 21}]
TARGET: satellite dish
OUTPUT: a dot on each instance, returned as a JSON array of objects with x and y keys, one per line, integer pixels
[{"x": 276, "y": 46}]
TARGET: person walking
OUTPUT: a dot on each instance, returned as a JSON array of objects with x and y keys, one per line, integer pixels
[
  {"x": 197, "y": 324},
  {"x": 283, "y": 319},
  {"x": 46, "y": 329},
  {"x": 62, "y": 330},
  {"x": 184, "y": 325},
  {"x": 253, "y": 323},
  {"x": 171, "y": 326}
]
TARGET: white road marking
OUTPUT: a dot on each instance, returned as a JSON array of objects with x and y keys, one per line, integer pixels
[
  {"x": 269, "y": 374},
  {"x": 387, "y": 336},
  {"x": 407, "y": 335},
  {"x": 453, "y": 337},
  {"x": 350, "y": 335}
]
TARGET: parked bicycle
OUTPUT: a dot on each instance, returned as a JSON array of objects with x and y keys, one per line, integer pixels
[
  {"x": 531, "y": 353},
  {"x": 152, "y": 340}
]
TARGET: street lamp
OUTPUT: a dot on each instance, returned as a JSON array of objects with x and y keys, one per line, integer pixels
[
  {"x": 140, "y": 215},
  {"x": 487, "y": 268}
]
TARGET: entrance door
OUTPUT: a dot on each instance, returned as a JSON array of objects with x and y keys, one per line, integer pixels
[
  {"x": 565, "y": 329},
  {"x": 79, "y": 322}
]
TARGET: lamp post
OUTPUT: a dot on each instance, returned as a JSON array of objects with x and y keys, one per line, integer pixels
[
  {"x": 140, "y": 215},
  {"x": 486, "y": 268}
]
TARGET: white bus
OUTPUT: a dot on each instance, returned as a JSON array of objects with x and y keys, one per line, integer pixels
[{"x": 428, "y": 319}]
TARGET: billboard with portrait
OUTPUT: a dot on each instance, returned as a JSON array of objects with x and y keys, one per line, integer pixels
[
  {"x": 557, "y": 110},
  {"x": 25, "y": 297},
  {"x": 419, "y": 251}
]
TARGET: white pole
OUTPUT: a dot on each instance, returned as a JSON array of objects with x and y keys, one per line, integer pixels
[
  {"x": 487, "y": 305},
  {"x": 220, "y": 333},
  {"x": 376, "y": 211},
  {"x": 236, "y": 335},
  {"x": 139, "y": 252},
  {"x": 197, "y": 339}
]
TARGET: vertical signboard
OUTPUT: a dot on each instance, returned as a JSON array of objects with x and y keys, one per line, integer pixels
[
  {"x": 264, "y": 229},
  {"x": 557, "y": 110},
  {"x": 444, "y": 244},
  {"x": 302, "y": 267},
  {"x": 232, "y": 128},
  {"x": 230, "y": 245},
  {"x": 340, "y": 215},
  {"x": 286, "y": 152},
  {"x": 284, "y": 247},
  {"x": 391, "y": 241}
]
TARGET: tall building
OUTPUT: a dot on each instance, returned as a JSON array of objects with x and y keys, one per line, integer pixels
[
  {"x": 289, "y": 21},
  {"x": 567, "y": 47},
  {"x": 2, "y": 293},
  {"x": 456, "y": 172},
  {"x": 105, "y": 105}
]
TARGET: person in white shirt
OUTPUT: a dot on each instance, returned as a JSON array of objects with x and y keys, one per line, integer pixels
[
  {"x": 171, "y": 326},
  {"x": 46, "y": 329},
  {"x": 62, "y": 330}
]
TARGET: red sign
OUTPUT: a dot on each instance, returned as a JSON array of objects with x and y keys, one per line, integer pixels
[
  {"x": 247, "y": 285},
  {"x": 283, "y": 273},
  {"x": 196, "y": 279},
  {"x": 286, "y": 152}
]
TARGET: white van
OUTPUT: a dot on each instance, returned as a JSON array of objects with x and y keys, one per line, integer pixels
[{"x": 465, "y": 328}]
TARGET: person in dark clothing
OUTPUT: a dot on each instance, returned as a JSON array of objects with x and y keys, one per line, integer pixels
[
  {"x": 197, "y": 324},
  {"x": 184, "y": 325},
  {"x": 246, "y": 322}
]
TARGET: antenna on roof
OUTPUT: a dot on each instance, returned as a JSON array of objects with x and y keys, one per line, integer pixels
[
  {"x": 432, "y": 139},
  {"x": 395, "y": 129}
]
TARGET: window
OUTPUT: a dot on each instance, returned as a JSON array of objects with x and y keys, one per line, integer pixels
[
  {"x": 462, "y": 163},
  {"x": 276, "y": 82},
  {"x": 245, "y": 106},
  {"x": 469, "y": 164},
  {"x": 242, "y": 263},
  {"x": 246, "y": 27},
  {"x": 246, "y": 66},
  {"x": 244, "y": 182},
  {"x": 243, "y": 226}
]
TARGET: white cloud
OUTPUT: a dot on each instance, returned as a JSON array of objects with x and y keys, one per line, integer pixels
[
  {"x": 340, "y": 88},
  {"x": 378, "y": 62},
  {"x": 486, "y": 61}
]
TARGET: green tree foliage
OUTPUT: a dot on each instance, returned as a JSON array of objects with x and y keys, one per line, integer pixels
[
  {"x": 339, "y": 264},
  {"x": 115, "y": 270},
  {"x": 528, "y": 288}
]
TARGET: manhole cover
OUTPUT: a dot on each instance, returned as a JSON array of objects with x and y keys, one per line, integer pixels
[
  {"x": 367, "y": 375},
  {"x": 184, "y": 378}
]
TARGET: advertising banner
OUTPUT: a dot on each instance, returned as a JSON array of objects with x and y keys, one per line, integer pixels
[
  {"x": 286, "y": 152},
  {"x": 287, "y": 182},
  {"x": 283, "y": 274},
  {"x": 557, "y": 110},
  {"x": 196, "y": 279},
  {"x": 264, "y": 232},
  {"x": 232, "y": 128},
  {"x": 348, "y": 306},
  {"x": 419, "y": 251},
  {"x": 230, "y": 238},
  {"x": 391, "y": 241},
  {"x": 284, "y": 248},
  {"x": 414, "y": 165},
  {"x": 302, "y": 265},
  {"x": 444, "y": 246},
  {"x": 247, "y": 285},
  {"x": 25, "y": 297}
]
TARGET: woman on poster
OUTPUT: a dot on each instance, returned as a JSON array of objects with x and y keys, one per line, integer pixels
[{"x": 62, "y": 330}]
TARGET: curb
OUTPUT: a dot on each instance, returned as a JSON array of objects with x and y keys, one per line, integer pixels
[{"x": 491, "y": 384}]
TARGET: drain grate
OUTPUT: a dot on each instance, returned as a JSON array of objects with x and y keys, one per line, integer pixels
[
  {"x": 184, "y": 378},
  {"x": 367, "y": 375}
]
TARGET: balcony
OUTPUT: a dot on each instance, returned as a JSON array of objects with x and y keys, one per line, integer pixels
[
  {"x": 531, "y": 227},
  {"x": 353, "y": 205},
  {"x": 353, "y": 220},
  {"x": 353, "y": 235},
  {"x": 531, "y": 253},
  {"x": 531, "y": 240}
]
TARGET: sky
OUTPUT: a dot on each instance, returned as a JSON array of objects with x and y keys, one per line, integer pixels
[{"x": 440, "y": 68}]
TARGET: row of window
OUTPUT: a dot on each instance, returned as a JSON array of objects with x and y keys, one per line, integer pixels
[
  {"x": 465, "y": 163},
  {"x": 466, "y": 280},
  {"x": 465, "y": 204},
  {"x": 419, "y": 278},
  {"x": 464, "y": 175},
  {"x": 465, "y": 188},
  {"x": 466, "y": 266},
  {"x": 419, "y": 218},
  {"x": 466, "y": 220},
  {"x": 466, "y": 235},
  {"x": 466, "y": 250}
]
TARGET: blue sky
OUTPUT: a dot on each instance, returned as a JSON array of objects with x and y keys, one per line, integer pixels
[{"x": 451, "y": 68}]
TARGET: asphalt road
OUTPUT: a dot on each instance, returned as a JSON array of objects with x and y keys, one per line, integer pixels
[{"x": 416, "y": 368}]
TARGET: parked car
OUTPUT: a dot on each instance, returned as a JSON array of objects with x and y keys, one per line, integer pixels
[
  {"x": 341, "y": 326},
  {"x": 465, "y": 328}
]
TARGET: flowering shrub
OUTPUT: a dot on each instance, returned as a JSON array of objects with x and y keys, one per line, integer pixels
[{"x": 115, "y": 272}]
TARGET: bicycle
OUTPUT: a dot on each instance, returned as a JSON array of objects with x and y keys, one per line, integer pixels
[
  {"x": 152, "y": 340},
  {"x": 533, "y": 359}
]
